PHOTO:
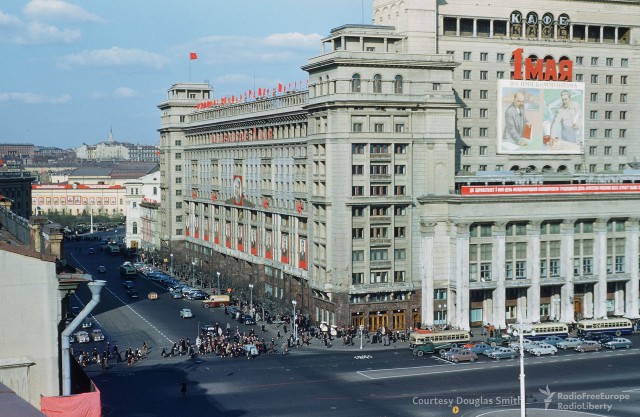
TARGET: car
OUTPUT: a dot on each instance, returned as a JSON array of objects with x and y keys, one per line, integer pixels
[
  {"x": 231, "y": 310},
  {"x": 598, "y": 337},
  {"x": 552, "y": 340},
  {"x": 543, "y": 349},
  {"x": 132, "y": 293},
  {"x": 588, "y": 346},
  {"x": 82, "y": 337},
  {"x": 501, "y": 353},
  {"x": 247, "y": 319},
  {"x": 463, "y": 355},
  {"x": 499, "y": 341},
  {"x": 447, "y": 354},
  {"x": 569, "y": 343},
  {"x": 128, "y": 285},
  {"x": 87, "y": 323},
  {"x": 91, "y": 251},
  {"x": 139, "y": 265},
  {"x": 479, "y": 347},
  {"x": 102, "y": 269},
  {"x": 618, "y": 342},
  {"x": 186, "y": 313},
  {"x": 430, "y": 347},
  {"x": 97, "y": 335},
  {"x": 196, "y": 295},
  {"x": 176, "y": 294}
]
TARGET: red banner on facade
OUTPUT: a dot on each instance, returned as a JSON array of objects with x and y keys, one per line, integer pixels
[{"x": 549, "y": 189}]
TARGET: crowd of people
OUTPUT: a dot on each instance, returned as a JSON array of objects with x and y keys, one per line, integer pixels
[{"x": 112, "y": 355}]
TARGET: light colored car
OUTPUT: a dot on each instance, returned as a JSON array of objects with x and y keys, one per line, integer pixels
[
  {"x": 102, "y": 269},
  {"x": 588, "y": 346},
  {"x": 552, "y": 340},
  {"x": 618, "y": 342},
  {"x": 448, "y": 353},
  {"x": 543, "y": 349},
  {"x": 569, "y": 343},
  {"x": 186, "y": 313},
  {"x": 97, "y": 335},
  {"x": 463, "y": 355},
  {"x": 176, "y": 294},
  {"x": 87, "y": 323},
  {"x": 526, "y": 343},
  {"x": 82, "y": 337}
]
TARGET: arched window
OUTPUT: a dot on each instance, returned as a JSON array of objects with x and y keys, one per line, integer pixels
[
  {"x": 135, "y": 228},
  {"x": 355, "y": 83},
  {"x": 155, "y": 190},
  {"x": 397, "y": 84},
  {"x": 377, "y": 83}
]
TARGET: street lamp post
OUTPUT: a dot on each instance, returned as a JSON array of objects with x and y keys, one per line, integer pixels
[
  {"x": 193, "y": 266},
  {"x": 441, "y": 315},
  {"x": 295, "y": 324},
  {"x": 251, "y": 300},
  {"x": 518, "y": 329},
  {"x": 218, "y": 274},
  {"x": 171, "y": 264}
]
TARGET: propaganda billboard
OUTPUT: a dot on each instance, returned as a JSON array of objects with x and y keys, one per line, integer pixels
[{"x": 540, "y": 117}]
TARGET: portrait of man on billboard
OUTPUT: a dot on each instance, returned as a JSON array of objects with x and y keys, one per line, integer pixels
[
  {"x": 237, "y": 190},
  {"x": 566, "y": 124},
  {"x": 517, "y": 129}
]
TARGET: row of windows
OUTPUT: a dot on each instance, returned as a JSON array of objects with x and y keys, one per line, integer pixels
[
  {"x": 378, "y": 255},
  {"x": 375, "y": 277},
  {"x": 76, "y": 200},
  {"x": 483, "y": 132},
  {"x": 624, "y": 62},
  {"x": 378, "y": 232},
  {"x": 379, "y": 169},
  {"x": 484, "y": 75},
  {"x": 357, "y": 127},
  {"x": 378, "y": 148},
  {"x": 591, "y": 168},
  {"x": 579, "y": 60},
  {"x": 378, "y": 190},
  {"x": 356, "y": 85},
  {"x": 377, "y": 211},
  {"x": 593, "y": 150}
]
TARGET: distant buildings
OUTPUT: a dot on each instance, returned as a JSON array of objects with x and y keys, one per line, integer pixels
[
  {"x": 16, "y": 186},
  {"x": 142, "y": 204},
  {"x": 111, "y": 150}
]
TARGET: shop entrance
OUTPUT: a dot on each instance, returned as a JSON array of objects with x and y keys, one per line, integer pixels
[
  {"x": 378, "y": 320},
  {"x": 399, "y": 321}
]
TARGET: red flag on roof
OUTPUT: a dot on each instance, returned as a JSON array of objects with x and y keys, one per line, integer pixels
[
  {"x": 280, "y": 88},
  {"x": 193, "y": 55}
]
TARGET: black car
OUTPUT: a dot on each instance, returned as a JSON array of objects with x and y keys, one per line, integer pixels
[
  {"x": 247, "y": 319},
  {"x": 128, "y": 285},
  {"x": 598, "y": 337},
  {"x": 132, "y": 293}
]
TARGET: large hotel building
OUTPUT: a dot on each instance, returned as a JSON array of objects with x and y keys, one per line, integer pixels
[{"x": 452, "y": 163}]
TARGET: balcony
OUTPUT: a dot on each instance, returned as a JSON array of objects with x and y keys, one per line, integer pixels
[
  {"x": 380, "y": 241},
  {"x": 380, "y": 177},
  {"x": 380, "y": 219},
  {"x": 380, "y": 156},
  {"x": 383, "y": 264}
]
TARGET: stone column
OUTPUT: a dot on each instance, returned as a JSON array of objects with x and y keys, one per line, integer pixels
[
  {"x": 462, "y": 277},
  {"x": 458, "y": 27},
  {"x": 618, "y": 295},
  {"x": 600, "y": 267},
  {"x": 533, "y": 271},
  {"x": 566, "y": 271},
  {"x": 491, "y": 28},
  {"x": 427, "y": 257},
  {"x": 499, "y": 294},
  {"x": 631, "y": 267},
  {"x": 475, "y": 28}
]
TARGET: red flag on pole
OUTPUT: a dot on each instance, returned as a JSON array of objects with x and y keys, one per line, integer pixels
[
  {"x": 193, "y": 55},
  {"x": 280, "y": 88}
]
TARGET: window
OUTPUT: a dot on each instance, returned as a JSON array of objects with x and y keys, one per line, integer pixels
[
  {"x": 593, "y": 114},
  {"x": 178, "y": 219},
  {"x": 378, "y": 127},
  {"x": 579, "y": 77},
  {"x": 357, "y": 278},
  {"x": 436, "y": 86},
  {"x": 483, "y": 150},
  {"x": 623, "y": 79},
  {"x": 608, "y": 97},
  {"x": 378, "y": 254},
  {"x": 466, "y": 150},
  {"x": 594, "y": 61},
  {"x": 622, "y": 150},
  {"x": 594, "y": 96},
  {"x": 178, "y": 180},
  {"x": 622, "y": 133},
  {"x": 466, "y": 74},
  {"x": 484, "y": 56},
  {"x": 484, "y": 94},
  {"x": 400, "y": 169},
  {"x": 482, "y": 168},
  {"x": 484, "y": 112},
  {"x": 397, "y": 84},
  {"x": 376, "y": 169},
  {"x": 466, "y": 131},
  {"x": 377, "y": 84},
  {"x": 178, "y": 193},
  {"x": 624, "y": 62},
  {"x": 623, "y": 98},
  {"x": 357, "y": 148},
  {"x": 178, "y": 143},
  {"x": 483, "y": 132},
  {"x": 500, "y": 57},
  {"x": 609, "y": 62},
  {"x": 466, "y": 112},
  {"x": 178, "y": 204},
  {"x": 357, "y": 169},
  {"x": 178, "y": 168},
  {"x": 607, "y": 133},
  {"x": 378, "y": 190},
  {"x": 466, "y": 93},
  {"x": 399, "y": 128},
  {"x": 355, "y": 83},
  {"x": 399, "y": 276},
  {"x": 466, "y": 56},
  {"x": 607, "y": 150},
  {"x": 466, "y": 168},
  {"x": 377, "y": 148},
  {"x": 593, "y": 150},
  {"x": 400, "y": 211},
  {"x": 399, "y": 232},
  {"x": 594, "y": 78},
  {"x": 357, "y": 256},
  {"x": 500, "y": 75},
  {"x": 357, "y": 212},
  {"x": 579, "y": 60},
  {"x": 623, "y": 115},
  {"x": 400, "y": 254},
  {"x": 400, "y": 190},
  {"x": 608, "y": 114},
  {"x": 376, "y": 277},
  {"x": 400, "y": 148},
  {"x": 608, "y": 79},
  {"x": 592, "y": 168},
  {"x": 357, "y": 190},
  {"x": 357, "y": 233},
  {"x": 484, "y": 75},
  {"x": 178, "y": 155}
]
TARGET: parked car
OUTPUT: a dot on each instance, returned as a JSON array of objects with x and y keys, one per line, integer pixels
[
  {"x": 499, "y": 341},
  {"x": 128, "y": 285},
  {"x": 463, "y": 355},
  {"x": 186, "y": 313},
  {"x": 480, "y": 347},
  {"x": 618, "y": 342},
  {"x": 231, "y": 310},
  {"x": 431, "y": 347},
  {"x": 82, "y": 337},
  {"x": 588, "y": 346},
  {"x": 87, "y": 323},
  {"x": 176, "y": 294},
  {"x": 132, "y": 293},
  {"x": 552, "y": 340},
  {"x": 102, "y": 269},
  {"x": 199, "y": 295},
  {"x": 569, "y": 343},
  {"x": 543, "y": 349},
  {"x": 501, "y": 353},
  {"x": 448, "y": 353},
  {"x": 97, "y": 335},
  {"x": 247, "y": 319}
]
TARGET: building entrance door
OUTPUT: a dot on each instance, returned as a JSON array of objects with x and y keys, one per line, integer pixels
[
  {"x": 399, "y": 322},
  {"x": 376, "y": 321},
  {"x": 357, "y": 320},
  {"x": 577, "y": 309}
]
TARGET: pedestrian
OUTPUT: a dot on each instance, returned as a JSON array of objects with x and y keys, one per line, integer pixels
[{"x": 183, "y": 389}]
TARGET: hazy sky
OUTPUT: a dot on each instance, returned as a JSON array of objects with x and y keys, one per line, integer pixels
[{"x": 73, "y": 70}]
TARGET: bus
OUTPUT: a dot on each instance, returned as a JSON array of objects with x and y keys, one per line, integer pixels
[
  {"x": 541, "y": 330},
  {"x": 128, "y": 272},
  {"x": 616, "y": 326},
  {"x": 113, "y": 250},
  {"x": 420, "y": 337}
]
